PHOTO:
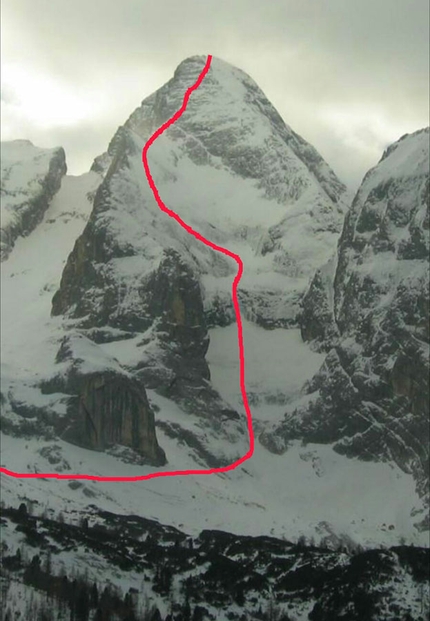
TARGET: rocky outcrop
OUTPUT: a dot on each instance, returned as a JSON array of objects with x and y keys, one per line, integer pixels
[
  {"x": 113, "y": 410},
  {"x": 316, "y": 316},
  {"x": 371, "y": 396},
  {"x": 107, "y": 406},
  {"x": 30, "y": 177}
]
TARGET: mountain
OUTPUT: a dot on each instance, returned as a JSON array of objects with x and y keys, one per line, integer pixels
[
  {"x": 120, "y": 358},
  {"x": 232, "y": 168},
  {"x": 239, "y": 175},
  {"x": 368, "y": 308},
  {"x": 30, "y": 177}
]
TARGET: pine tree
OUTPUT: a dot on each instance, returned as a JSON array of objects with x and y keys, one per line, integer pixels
[
  {"x": 186, "y": 611},
  {"x": 99, "y": 615},
  {"x": 82, "y": 604},
  {"x": 301, "y": 542},
  {"x": 155, "y": 615},
  {"x": 94, "y": 596},
  {"x": 48, "y": 563}
]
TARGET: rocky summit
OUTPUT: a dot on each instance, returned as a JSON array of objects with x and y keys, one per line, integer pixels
[{"x": 120, "y": 359}]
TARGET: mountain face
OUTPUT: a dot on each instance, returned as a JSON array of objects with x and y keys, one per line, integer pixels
[
  {"x": 231, "y": 167},
  {"x": 30, "y": 177},
  {"x": 233, "y": 170},
  {"x": 368, "y": 308}
]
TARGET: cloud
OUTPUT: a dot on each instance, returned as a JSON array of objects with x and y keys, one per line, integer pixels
[{"x": 346, "y": 75}]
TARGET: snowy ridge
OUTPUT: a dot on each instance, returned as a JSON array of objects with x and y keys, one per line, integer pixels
[{"x": 30, "y": 176}]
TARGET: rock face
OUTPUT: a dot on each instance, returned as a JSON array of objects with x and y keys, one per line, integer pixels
[
  {"x": 108, "y": 407},
  {"x": 112, "y": 410},
  {"x": 30, "y": 177},
  {"x": 135, "y": 273},
  {"x": 369, "y": 309}
]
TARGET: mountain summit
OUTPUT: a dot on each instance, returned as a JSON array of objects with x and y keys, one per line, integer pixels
[{"x": 233, "y": 169}]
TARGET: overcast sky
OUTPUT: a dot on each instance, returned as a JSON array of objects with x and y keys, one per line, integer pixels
[{"x": 350, "y": 76}]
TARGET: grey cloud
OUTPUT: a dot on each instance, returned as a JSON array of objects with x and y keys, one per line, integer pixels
[{"x": 307, "y": 55}]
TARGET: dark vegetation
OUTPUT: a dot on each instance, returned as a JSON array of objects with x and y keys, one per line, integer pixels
[{"x": 256, "y": 578}]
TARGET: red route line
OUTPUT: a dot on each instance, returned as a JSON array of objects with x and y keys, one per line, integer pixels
[{"x": 236, "y": 281}]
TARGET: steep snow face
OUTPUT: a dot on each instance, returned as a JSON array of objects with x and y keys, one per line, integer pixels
[
  {"x": 30, "y": 177},
  {"x": 29, "y": 337},
  {"x": 236, "y": 165},
  {"x": 232, "y": 119},
  {"x": 371, "y": 394},
  {"x": 235, "y": 171}
]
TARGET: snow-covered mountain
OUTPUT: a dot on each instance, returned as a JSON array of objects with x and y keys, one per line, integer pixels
[
  {"x": 368, "y": 308},
  {"x": 30, "y": 177},
  {"x": 119, "y": 346},
  {"x": 234, "y": 171}
]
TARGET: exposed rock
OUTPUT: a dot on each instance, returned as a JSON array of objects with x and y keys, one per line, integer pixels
[
  {"x": 316, "y": 317},
  {"x": 109, "y": 410},
  {"x": 108, "y": 407},
  {"x": 30, "y": 177}
]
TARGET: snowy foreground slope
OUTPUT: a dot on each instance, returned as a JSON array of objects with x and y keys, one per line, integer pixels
[{"x": 119, "y": 358}]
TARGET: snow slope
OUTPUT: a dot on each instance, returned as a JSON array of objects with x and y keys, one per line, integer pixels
[
  {"x": 30, "y": 337},
  {"x": 30, "y": 176}
]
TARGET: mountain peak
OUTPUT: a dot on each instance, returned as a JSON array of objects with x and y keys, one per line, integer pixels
[
  {"x": 230, "y": 122},
  {"x": 220, "y": 70}
]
